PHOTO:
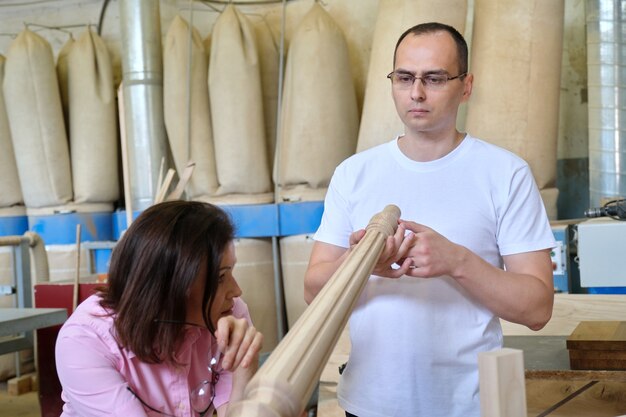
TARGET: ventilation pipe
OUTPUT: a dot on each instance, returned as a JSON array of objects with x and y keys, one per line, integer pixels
[
  {"x": 142, "y": 68},
  {"x": 606, "y": 67}
]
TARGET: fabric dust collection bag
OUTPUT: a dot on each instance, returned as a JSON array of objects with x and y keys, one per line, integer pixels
[
  {"x": 92, "y": 121},
  {"x": 236, "y": 97},
  {"x": 320, "y": 120},
  {"x": 186, "y": 107},
  {"x": 10, "y": 190},
  {"x": 33, "y": 102},
  {"x": 517, "y": 83},
  {"x": 62, "y": 79}
]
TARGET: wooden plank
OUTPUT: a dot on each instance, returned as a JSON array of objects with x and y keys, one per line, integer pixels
[
  {"x": 571, "y": 309},
  {"x": 603, "y": 399},
  {"x": 598, "y": 335},
  {"x": 575, "y": 375},
  {"x": 598, "y": 345},
  {"x": 597, "y": 354},
  {"x": 598, "y": 364}
]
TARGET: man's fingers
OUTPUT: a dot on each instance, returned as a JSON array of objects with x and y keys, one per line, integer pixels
[
  {"x": 406, "y": 245},
  {"x": 405, "y": 267},
  {"x": 414, "y": 227},
  {"x": 356, "y": 237}
]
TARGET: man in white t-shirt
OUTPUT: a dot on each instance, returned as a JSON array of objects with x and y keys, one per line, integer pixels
[{"x": 471, "y": 210}]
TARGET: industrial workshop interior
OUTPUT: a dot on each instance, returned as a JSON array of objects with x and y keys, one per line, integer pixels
[{"x": 109, "y": 108}]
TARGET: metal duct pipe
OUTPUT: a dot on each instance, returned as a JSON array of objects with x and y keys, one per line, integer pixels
[
  {"x": 606, "y": 66},
  {"x": 142, "y": 67}
]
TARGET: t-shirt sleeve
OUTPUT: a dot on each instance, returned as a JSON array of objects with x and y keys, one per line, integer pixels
[
  {"x": 92, "y": 385},
  {"x": 523, "y": 223},
  {"x": 335, "y": 227}
]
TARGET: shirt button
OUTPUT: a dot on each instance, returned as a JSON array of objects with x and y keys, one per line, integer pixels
[{"x": 181, "y": 405}]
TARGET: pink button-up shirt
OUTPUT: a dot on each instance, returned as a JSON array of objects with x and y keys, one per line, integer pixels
[{"x": 95, "y": 371}]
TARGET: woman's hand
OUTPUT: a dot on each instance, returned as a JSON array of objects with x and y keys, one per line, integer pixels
[{"x": 239, "y": 342}]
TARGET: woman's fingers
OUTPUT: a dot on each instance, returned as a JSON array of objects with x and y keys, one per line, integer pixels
[
  {"x": 239, "y": 342},
  {"x": 252, "y": 352}
]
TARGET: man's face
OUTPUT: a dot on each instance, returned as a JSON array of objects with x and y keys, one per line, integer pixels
[{"x": 423, "y": 109}]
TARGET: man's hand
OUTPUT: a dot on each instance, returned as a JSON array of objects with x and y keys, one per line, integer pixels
[
  {"x": 431, "y": 254},
  {"x": 395, "y": 252}
]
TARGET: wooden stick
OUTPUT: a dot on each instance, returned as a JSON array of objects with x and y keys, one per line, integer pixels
[
  {"x": 283, "y": 385},
  {"x": 184, "y": 179},
  {"x": 75, "y": 298},
  {"x": 124, "y": 149},
  {"x": 160, "y": 181},
  {"x": 160, "y": 197}
]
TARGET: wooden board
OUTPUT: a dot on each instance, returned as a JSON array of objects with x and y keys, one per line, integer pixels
[
  {"x": 598, "y": 345},
  {"x": 575, "y": 398},
  {"x": 569, "y": 310},
  {"x": 598, "y": 335}
]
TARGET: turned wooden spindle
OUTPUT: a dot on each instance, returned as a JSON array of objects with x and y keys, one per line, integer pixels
[{"x": 284, "y": 384}]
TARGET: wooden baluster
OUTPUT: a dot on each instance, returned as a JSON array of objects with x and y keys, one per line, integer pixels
[{"x": 283, "y": 385}]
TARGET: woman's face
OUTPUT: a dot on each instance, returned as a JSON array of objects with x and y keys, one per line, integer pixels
[{"x": 227, "y": 290}]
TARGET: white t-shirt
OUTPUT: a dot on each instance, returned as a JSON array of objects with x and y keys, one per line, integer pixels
[{"x": 415, "y": 341}]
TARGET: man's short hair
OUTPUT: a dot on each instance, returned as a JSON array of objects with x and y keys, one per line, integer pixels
[{"x": 432, "y": 27}]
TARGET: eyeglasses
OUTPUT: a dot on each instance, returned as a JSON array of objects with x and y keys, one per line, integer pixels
[
  {"x": 405, "y": 80},
  {"x": 201, "y": 396}
]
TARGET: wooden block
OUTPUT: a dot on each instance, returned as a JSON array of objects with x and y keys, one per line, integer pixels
[
  {"x": 34, "y": 382},
  {"x": 598, "y": 335},
  {"x": 598, "y": 354},
  {"x": 502, "y": 383},
  {"x": 597, "y": 364},
  {"x": 569, "y": 310},
  {"x": 19, "y": 385},
  {"x": 598, "y": 345}
]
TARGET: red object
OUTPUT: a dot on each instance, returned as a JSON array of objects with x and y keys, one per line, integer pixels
[{"x": 54, "y": 295}]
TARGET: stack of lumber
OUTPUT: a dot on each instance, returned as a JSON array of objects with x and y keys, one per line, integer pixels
[{"x": 598, "y": 345}]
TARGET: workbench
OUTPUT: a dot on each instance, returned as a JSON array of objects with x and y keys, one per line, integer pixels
[{"x": 16, "y": 321}]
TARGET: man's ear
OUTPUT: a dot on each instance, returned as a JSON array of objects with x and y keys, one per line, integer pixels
[{"x": 468, "y": 83}]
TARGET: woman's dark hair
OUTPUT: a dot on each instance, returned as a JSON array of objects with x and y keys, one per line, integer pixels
[
  {"x": 433, "y": 27},
  {"x": 153, "y": 267}
]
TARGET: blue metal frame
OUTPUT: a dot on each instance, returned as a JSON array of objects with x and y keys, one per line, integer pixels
[
  {"x": 300, "y": 218},
  {"x": 13, "y": 225},
  {"x": 60, "y": 229}
]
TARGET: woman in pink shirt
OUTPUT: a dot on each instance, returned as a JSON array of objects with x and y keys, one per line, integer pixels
[{"x": 169, "y": 334}]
